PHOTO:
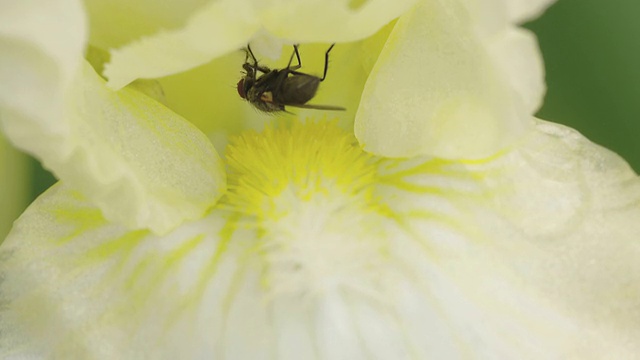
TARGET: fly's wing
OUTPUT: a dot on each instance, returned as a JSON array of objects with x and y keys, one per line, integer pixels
[
  {"x": 296, "y": 89},
  {"x": 318, "y": 107}
]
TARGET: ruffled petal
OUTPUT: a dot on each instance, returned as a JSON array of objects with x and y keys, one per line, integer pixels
[
  {"x": 227, "y": 25},
  {"x": 419, "y": 258},
  {"x": 140, "y": 163},
  {"x": 114, "y": 23},
  {"x": 436, "y": 90},
  {"x": 216, "y": 29}
]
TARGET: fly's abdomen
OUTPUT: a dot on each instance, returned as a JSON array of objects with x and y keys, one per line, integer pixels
[{"x": 297, "y": 89}]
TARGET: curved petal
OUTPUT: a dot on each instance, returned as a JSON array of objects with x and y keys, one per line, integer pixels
[
  {"x": 41, "y": 47},
  {"x": 140, "y": 163},
  {"x": 329, "y": 20},
  {"x": 114, "y": 23},
  {"x": 218, "y": 28},
  {"x": 227, "y": 25},
  {"x": 579, "y": 205},
  {"x": 436, "y": 90},
  {"x": 557, "y": 215},
  {"x": 515, "y": 51},
  {"x": 435, "y": 263}
]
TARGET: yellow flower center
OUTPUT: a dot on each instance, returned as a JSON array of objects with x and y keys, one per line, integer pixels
[
  {"x": 308, "y": 190},
  {"x": 301, "y": 163}
]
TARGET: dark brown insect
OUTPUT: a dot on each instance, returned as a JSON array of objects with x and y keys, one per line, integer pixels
[{"x": 277, "y": 88}]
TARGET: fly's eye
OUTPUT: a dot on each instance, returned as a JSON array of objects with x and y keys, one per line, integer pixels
[{"x": 241, "y": 91}]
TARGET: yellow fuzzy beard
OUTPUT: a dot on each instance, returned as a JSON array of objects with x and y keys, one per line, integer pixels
[{"x": 308, "y": 191}]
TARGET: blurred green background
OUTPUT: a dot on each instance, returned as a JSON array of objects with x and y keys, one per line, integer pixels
[{"x": 592, "y": 54}]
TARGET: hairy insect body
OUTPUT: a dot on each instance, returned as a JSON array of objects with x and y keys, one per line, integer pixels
[{"x": 277, "y": 88}]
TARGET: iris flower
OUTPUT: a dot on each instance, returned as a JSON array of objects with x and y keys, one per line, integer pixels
[{"x": 436, "y": 218}]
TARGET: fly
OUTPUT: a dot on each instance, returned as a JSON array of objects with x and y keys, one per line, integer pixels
[{"x": 276, "y": 88}]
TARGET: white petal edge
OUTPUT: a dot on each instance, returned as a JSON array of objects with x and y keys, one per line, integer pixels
[
  {"x": 516, "y": 53},
  {"x": 219, "y": 28}
]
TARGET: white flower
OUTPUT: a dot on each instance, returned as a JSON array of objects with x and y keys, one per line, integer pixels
[{"x": 467, "y": 229}]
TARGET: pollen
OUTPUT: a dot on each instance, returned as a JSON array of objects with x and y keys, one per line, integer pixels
[{"x": 308, "y": 190}]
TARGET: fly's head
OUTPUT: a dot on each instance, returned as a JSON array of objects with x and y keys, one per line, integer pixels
[{"x": 247, "y": 81}]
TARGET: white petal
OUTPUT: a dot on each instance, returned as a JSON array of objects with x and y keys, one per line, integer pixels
[
  {"x": 583, "y": 222},
  {"x": 130, "y": 292},
  {"x": 436, "y": 90},
  {"x": 329, "y": 20},
  {"x": 218, "y": 28},
  {"x": 557, "y": 217},
  {"x": 41, "y": 48},
  {"x": 447, "y": 264},
  {"x": 515, "y": 52},
  {"x": 143, "y": 165}
]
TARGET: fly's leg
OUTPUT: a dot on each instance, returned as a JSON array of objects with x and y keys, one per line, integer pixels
[
  {"x": 253, "y": 57},
  {"x": 255, "y": 65},
  {"x": 326, "y": 62},
  {"x": 297, "y": 54}
]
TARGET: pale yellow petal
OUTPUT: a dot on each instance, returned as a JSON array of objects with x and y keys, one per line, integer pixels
[
  {"x": 114, "y": 23},
  {"x": 436, "y": 90},
  {"x": 217, "y": 29},
  {"x": 515, "y": 52},
  {"x": 41, "y": 47},
  {"x": 143, "y": 165},
  {"x": 227, "y": 25},
  {"x": 362, "y": 258},
  {"x": 556, "y": 217},
  {"x": 579, "y": 205},
  {"x": 329, "y": 20}
]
